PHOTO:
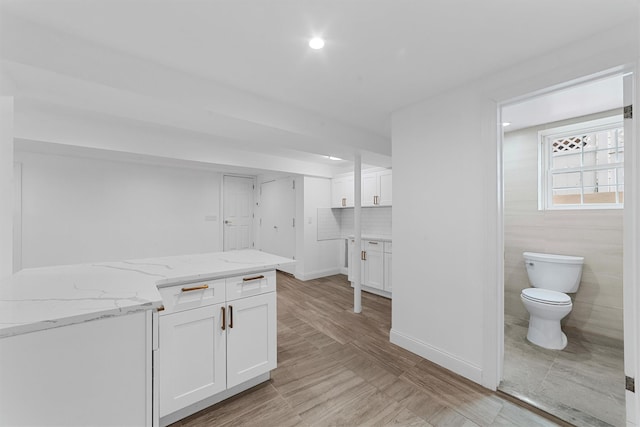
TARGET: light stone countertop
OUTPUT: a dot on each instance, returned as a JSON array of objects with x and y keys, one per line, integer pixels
[
  {"x": 49, "y": 297},
  {"x": 376, "y": 237}
]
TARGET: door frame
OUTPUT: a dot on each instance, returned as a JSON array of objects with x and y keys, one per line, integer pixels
[
  {"x": 494, "y": 313},
  {"x": 222, "y": 206}
]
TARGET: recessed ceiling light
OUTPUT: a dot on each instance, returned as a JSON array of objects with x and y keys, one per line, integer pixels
[
  {"x": 334, "y": 158},
  {"x": 505, "y": 124},
  {"x": 316, "y": 43}
]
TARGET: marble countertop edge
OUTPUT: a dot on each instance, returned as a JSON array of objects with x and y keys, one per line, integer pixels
[{"x": 50, "y": 297}]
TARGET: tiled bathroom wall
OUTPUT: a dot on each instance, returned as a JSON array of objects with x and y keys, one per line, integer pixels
[
  {"x": 594, "y": 234},
  {"x": 337, "y": 223}
]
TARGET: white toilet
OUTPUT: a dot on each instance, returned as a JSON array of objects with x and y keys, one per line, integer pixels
[{"x": 552, "y": 277}]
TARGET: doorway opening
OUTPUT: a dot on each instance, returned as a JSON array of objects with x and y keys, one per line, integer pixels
[{"x": 563, "y": 193}]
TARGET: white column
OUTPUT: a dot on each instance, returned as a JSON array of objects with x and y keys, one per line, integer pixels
[
  {"x": 357, "y": 232},
  {"x": 6, "y": 186}
]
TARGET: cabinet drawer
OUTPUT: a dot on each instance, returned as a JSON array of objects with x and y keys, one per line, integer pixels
[
  {"x": 250, "y": 284},
  {"x": 372, "y": 245},
  {"x": 192, "y": 295}
]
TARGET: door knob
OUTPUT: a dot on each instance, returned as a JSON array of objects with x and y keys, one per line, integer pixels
[{"x": 227, "y": 222}]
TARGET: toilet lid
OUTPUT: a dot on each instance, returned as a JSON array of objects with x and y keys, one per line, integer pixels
[{"x": 546, "y": 296}]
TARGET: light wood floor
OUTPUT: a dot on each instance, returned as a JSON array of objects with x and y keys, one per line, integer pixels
[{"x": 339, "y": 368}]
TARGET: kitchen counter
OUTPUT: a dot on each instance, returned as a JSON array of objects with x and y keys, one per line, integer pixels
[
  {"x": 50, "y": 297},
  {"x": 376, "y": 237}
]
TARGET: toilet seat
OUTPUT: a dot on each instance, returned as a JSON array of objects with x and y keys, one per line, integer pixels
[{"x": 546, "y": 296}]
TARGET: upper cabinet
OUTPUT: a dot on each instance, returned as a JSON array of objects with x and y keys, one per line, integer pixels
[
  {"x": 376, "y": 190},
  {"x": 342, "y": 192}
]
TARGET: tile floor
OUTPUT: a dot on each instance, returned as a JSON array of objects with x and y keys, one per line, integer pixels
[{"x": 582, "y": 384}]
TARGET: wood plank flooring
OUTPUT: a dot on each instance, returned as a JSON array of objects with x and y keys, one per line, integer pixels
[{"x": 337, "y": 368}]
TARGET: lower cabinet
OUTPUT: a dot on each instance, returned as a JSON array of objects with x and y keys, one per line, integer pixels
[
  {"x": 192, "y": 357},
  {"x": 388, "y": 265},
  {"x": 205, "y": 351},
  {"x": 375, "y": 266},
  {"x": 251, "y": 338}
]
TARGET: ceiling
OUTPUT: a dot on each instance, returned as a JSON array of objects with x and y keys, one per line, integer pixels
[
  {"x": 240, "y": 72},
  {"x": 576, "y": 101}
]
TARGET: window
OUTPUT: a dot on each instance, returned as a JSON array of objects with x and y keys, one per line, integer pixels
[{"x": 582, "y": 165}]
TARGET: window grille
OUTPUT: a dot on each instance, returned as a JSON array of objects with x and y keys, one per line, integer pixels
[{"x": 582, "y": 166}]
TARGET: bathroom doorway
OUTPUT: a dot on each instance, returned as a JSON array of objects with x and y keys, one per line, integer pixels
[{"x": 563, "y": 193}]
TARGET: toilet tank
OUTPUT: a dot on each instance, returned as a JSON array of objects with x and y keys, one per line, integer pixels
[{"x": 561, "y": 273}]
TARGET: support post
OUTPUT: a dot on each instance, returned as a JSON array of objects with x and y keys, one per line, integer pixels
[{"x": 357, "y": 232}]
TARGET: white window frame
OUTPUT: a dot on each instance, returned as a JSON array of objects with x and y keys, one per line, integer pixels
[{"x": 545, "y": 138}]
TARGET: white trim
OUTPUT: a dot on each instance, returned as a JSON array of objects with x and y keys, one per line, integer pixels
[
  {"x": 17, "y": 217},
  {"x": 631, "y": 248},
  {"x": 318, "y": 274},
  {"x": 198, "y": 406},
  {"x": 436, "y": 355}
]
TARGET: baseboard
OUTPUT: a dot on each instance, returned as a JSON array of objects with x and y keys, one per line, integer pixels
[
  {"x": 440, "y": 357},
  {"x": 318, "y": 274},
  {"x": 192, "y": 409}
]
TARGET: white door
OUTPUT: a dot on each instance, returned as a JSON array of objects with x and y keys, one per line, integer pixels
[
  {"x": 251, "y": 337},
  {"x": 191, "y": 357},
  {"x": 631, "y": 267},
  {"x": 277, "y": 225},
  {"x": 238, "y": 212}
]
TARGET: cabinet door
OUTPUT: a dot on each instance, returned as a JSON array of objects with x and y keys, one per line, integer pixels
[
  {"x": 385, "y": 188},
  {"x": 350, "y": 260},
  {"x": 369, "y": 189},
  {"x": 342, "y": 192},
  {"x": 251, "y": 338},
  {"x": 387, "y": 272},
  {"x": 191, "y": 357},
  {"x": 374, "y": 266}
]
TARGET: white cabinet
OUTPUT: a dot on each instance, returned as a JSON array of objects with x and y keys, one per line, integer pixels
[
  {"x": 377, "y": 188},
  {"x": 388, "y": 264},
  {"x": 251, "y": 338},
  {"x": 192, "y": 357},
  {"x": 342, "y": 192},
  {"x": 375, "y": 265},
  {"x": 214, "y": 336},
  {"x": 95, "y": 373}
]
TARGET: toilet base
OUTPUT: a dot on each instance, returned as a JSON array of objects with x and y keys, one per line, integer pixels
[{"x": 546, "y": 333}]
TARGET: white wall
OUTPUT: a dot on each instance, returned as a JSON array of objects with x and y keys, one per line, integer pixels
[
  {"x": 595, "y": 234},
  {"x": 6, "y": 186},
  {"x": 320, "y": 257},
  {"x": 446, "y": 227},
  {"x": 77, "y": 210}
]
